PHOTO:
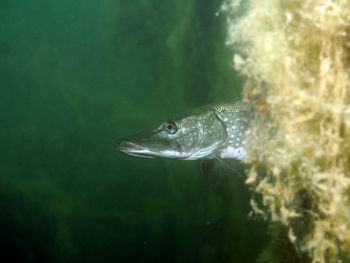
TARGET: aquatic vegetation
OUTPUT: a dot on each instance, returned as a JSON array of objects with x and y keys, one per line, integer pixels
[
  {"x": 295, "y": 55},
  {"x": 280, "y": 249}
]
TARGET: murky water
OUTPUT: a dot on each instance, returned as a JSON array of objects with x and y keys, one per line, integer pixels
[{"x": 76, "y": 76}]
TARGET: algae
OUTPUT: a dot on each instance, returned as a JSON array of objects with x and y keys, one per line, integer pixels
[{"x": 295, "y": 55}]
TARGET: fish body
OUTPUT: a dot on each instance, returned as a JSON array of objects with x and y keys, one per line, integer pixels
[{"x": 212, "y": 131}]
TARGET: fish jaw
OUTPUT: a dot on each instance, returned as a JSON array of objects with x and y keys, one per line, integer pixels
[
  {"x": 130, "y": 148},
  {"x": 150, "y": 146}
]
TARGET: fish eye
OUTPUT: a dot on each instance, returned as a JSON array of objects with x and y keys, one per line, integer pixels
[{"x": 170, "y": 127}]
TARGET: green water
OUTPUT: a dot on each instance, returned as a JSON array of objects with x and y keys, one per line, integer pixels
[{"x": 74, "y": 77}]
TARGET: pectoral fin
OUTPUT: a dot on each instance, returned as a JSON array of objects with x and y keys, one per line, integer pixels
[{"x": 232, "y": 171}]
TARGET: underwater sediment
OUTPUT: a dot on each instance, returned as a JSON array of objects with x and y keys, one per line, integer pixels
[{"x": 296, "y": 57}]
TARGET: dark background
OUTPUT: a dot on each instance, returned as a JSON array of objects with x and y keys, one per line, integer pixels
[{"x": 74, "y": 77}]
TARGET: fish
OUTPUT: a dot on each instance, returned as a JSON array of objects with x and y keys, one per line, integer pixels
[{"x": 215, "y": 131}]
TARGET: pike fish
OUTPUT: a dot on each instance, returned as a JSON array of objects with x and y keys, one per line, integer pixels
[{"x": 208, "y": 132}]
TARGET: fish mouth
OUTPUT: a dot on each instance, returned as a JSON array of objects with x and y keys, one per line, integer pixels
[{"x": 131, "y": 148}]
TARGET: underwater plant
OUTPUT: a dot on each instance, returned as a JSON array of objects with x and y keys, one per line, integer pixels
[{"x": 296, "y": 57}]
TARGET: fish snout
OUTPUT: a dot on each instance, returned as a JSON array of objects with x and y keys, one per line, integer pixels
[{"x": 125, "y": 146}]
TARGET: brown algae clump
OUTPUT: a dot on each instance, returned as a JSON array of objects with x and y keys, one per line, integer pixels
[{"x": 296, "y": 57}]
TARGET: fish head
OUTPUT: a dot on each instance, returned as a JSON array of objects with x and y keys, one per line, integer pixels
[{"x": 192, "y": 136}]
